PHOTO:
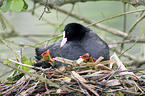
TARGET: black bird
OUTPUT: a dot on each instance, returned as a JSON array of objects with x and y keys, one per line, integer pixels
[
  {"x": 89, "y": 40},
  {"x": 77, "y": 40},
  {"x": 71, "y": 50}
]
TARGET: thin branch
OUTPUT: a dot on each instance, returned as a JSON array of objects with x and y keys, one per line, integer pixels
[
  {"x": 9, "y": 47},
  {"x": 62, "y": 2},
  {"x": 21, "y": 63},
  {"x": 133, "y": 26},
  {"x": 9, "y": 24},
  {"x": 100, "y": 26},
  {"x": 46, "y": 9},
  {"x": 39, "y": 77},
  {"x": 5, "y": 73},
  {"x": 125, "y": 54},
  {"x": 124, "y": 25},
  {"x": 112, "y": 17},
  {"x": 65, "y": 18},
  {"x": 11, "y": 88},
  {"x": 129, "y": 47},
  {"x": 35, "y": 45},
  {"x": 49, "y": 39}
]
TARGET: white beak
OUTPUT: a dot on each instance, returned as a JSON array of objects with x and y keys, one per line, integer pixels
[{"x": 64, "y": 40}]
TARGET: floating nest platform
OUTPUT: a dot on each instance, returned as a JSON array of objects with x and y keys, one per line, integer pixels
[{"x": 101, "y": 78}]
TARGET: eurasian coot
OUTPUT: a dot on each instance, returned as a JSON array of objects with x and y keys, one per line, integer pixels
[
  {"x": 77, "y": 40},
  {"x": 89, "y": 40}
]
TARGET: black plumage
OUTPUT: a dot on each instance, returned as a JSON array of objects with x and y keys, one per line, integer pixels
[
  {"x": 89, "y": 40},
  {"x": 80, "y": 40}
]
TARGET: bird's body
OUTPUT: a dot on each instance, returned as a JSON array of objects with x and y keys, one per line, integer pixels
[
  {"x": 52, "y": 49},
  {"x": 94, "y": 45},
  {"x": 71, "y": 50},
  {"x": 78, "y": 41}
]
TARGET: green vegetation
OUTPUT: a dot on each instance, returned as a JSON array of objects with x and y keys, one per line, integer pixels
[
  {"x": 120, "y": 25},
  {"x": 15, "y": 5}
]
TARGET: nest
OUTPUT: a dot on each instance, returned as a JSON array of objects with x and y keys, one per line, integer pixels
[{"x": 87, "y": 79}]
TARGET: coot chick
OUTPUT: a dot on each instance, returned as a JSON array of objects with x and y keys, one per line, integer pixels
[
  {"x": 53, "y": 47},
  {"x": 46, "y": 60},
  {"x": 88, "y": 58},
  {"x": 77, "y": 40}
]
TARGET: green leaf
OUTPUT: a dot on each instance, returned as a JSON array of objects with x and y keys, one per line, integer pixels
[
  {"x": 17, "y": 5},
  {"x": 120, "y": 93},
  {"x": 7, "y": 61},
  {"x": 26, "y": 61},
  {"x": 25, "y": 5},
  {"x": 6, "y": 5}
]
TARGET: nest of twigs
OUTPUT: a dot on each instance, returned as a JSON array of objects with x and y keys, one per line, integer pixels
[{"x": 108, "y": 78}]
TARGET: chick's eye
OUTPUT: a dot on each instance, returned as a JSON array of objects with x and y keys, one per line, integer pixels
[
  {"x": 43, "y": 54},
  {"x": 86, "y": 55}
]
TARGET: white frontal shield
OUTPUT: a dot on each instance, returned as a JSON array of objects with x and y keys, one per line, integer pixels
[{"x": 64, "y": 40}]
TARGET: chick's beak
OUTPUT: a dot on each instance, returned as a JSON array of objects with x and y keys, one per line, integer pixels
[
  {"x": 64, "y": 39},
  {"x": 46, "y": 56}
]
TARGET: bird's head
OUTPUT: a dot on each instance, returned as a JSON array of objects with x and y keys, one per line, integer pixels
[
  {"x": 88, "y": 58},
  {"x": 46, "y": 56},
  {"x": 73, "y": 31}
]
